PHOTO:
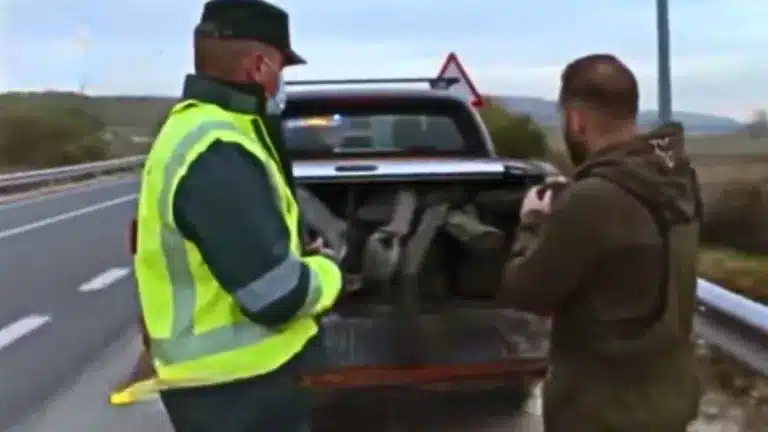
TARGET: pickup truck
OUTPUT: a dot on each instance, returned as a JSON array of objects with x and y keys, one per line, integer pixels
[{"x": 405, "y": 186}]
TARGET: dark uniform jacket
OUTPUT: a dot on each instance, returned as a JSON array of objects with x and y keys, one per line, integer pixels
[
  {"x": 615, "y": 263},
  {"x": 226, "y": 206},
  {"x": 223, "y": 202}
]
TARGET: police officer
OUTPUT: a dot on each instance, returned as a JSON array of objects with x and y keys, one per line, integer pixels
[
  {"x": 228, "y": 297},
  {"x": 612, "y": 257}
]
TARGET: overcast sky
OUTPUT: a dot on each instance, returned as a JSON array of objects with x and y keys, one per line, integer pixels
[{"x": 720, "y": 47}]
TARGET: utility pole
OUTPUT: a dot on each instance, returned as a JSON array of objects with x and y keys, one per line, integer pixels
[
  {"x": 663, "y": 61},
  {"x": 82, "y": 44}
]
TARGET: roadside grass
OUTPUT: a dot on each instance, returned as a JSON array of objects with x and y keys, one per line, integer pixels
[
  {"x": 740, "y": 272},
  {"x": 729, "y": 386}
]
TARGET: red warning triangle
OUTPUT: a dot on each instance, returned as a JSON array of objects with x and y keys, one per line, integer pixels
[{"x": 465, "y": 88}]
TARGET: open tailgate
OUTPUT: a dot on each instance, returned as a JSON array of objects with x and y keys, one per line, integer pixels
[{"x": 462, "y": 344}]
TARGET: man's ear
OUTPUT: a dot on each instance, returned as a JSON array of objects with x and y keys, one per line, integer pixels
[
  {"x": 576, "y": 123},
  {"x": 568, "y": 119},
  {"x": 252, "y": 66}
]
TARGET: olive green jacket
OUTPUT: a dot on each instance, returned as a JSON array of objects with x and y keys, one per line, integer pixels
[{"x": 615, "y": 264}]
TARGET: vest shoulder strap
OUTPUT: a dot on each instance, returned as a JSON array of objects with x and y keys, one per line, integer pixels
[{"x": 184, "y": 105}]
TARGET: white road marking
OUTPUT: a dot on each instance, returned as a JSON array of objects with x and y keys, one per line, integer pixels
[
  {"x": 64, "y": 216},
  {"x": 104, "y": 280},
  {"x": 17, "y": 330}
]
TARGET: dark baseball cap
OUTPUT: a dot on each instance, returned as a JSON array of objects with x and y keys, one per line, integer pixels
[{"x": 255, "y": 20}]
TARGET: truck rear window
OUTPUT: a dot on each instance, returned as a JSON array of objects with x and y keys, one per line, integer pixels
[{"x": 381, "y": 126}]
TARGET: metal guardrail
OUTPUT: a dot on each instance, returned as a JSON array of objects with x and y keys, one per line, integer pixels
[
  {"x": 70, "y": 172},
  {"x": 735, "y": 324}
]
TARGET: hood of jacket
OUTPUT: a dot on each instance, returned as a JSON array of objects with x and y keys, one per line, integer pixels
[{"x": 652, "y": 166}]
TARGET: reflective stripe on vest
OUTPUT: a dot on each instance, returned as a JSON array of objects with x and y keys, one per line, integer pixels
[
  {"x": 278, "y": 282},
  {"x": 184, "y": 344}
]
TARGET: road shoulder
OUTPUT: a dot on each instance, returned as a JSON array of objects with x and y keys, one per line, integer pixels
[{"x": 84, "y": 406}]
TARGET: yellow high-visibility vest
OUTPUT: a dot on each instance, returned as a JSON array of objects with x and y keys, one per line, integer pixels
[{"x": 198, "y": 336}]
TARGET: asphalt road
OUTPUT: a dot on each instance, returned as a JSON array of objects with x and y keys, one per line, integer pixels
[
  {"x": 50, "y": 329},
  {"x": 68, "y": 311}
]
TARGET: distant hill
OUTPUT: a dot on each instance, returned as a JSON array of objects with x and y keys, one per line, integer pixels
[
  {"x": 142, "y": 113},
  {"x": 545, "y": 113},
  {"x": 139, "y": 114}
]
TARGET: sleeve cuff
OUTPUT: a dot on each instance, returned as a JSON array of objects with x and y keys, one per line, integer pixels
[{"x": 324, "y": 287}]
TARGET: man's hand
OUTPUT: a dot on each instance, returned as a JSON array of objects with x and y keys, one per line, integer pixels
[
  {"x": 538, "y": 200},
  {"x": 318, "y": 247}
]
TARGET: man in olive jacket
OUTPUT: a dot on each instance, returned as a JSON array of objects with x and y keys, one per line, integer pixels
[{"x": 612, "y": 256}]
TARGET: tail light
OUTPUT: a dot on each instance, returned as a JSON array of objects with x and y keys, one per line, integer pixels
[{"x": 132, "y": 236}]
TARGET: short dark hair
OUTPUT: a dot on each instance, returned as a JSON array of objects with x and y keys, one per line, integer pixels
[{"x": 602, "y": 82}]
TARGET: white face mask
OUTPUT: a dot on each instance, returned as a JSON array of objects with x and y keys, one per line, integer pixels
[{"x": 276, "y": 103}]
